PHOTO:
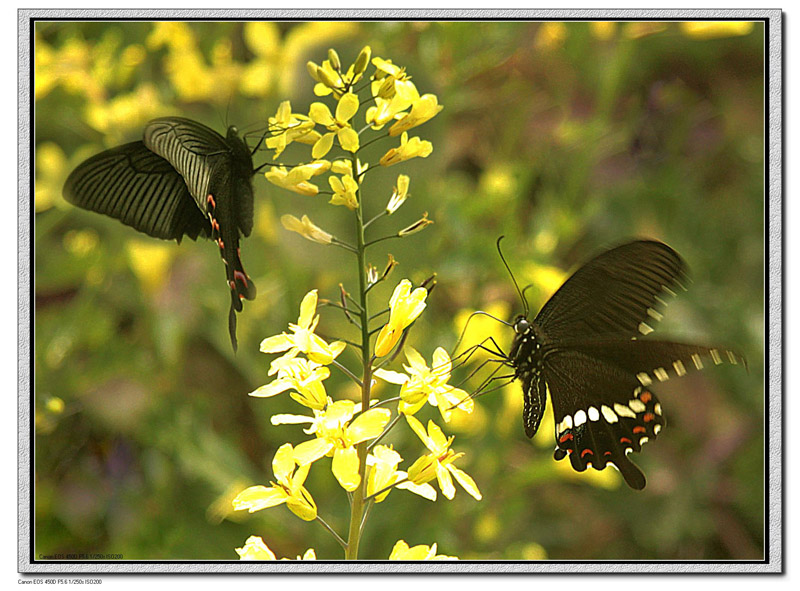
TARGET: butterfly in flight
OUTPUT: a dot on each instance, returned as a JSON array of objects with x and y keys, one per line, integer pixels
[
  {"x": 583, "y": 347},
  {"x": 182, "y": 178}
]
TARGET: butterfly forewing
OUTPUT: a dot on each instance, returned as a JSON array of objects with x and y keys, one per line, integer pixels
[
  {"x": 193, "y": 149},
  {"x": 139, "y": 188},
  {"x": 619, "y": 293}
]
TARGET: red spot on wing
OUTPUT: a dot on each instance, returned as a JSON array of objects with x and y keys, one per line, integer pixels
[
  {"x": 241, "y": 277},
  {"x": 648, "y": 417},
  {"x": 608, "y": 453},
  {"x": 232, "y": 285},
  {"x": 639, "y": 429},
  {"x": 645, "y": 397},
  {"x": 586, "y": 452},
  {"x": 625, "y": 440},
  {"x": 565, "y": 437},
  {"x": 210, "y": 200},
  {"x": 220, "y": 243}
]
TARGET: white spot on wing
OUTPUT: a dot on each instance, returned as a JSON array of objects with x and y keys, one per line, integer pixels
[
  {"x": 661, "y": 374},
  {"x": 608, "y": 414},
  {"x": 644, "y": 379},
  {"x": 656, "y": 429},
  {"x": 636, "y": 405},
  {"x": 715, "y": 356},
  {"x": 680, "y": 368},
  {"x": 657, "y": 316},
  {"x": 698, "y": 363},
  {"x": 644, "y": 328},
  {"x": 580, "y": 418},
  {"x": 624, "y": 411},
  {"x": 657, "y": 408},
  {"x": 594, "y": 414}
]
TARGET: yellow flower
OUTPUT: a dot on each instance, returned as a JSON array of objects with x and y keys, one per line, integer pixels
[
  {"x": 301, "y": 375},
  {"x": 255, "y": 549},
  {"x": 337, "y": 436},
  {"x": 405, "y": 306},
  {"x": 382, "y": 472},
  {"x": 400, "y": 194},
  {"x": 338, "y": 126},
  {"x": 417, "y": 226},
  {"x": 303, "y": 339},
  {"x": 391, "y": 97},
  {"x": 422, "y": 384},
  {"x": 344, "y": 191},
  {"x": 287, "y": 127},
  {"x": 297, "y": 178},
  {"x": 289, "y": 488},
  {"x": 401, "y": 551},
  {"x": 441, "y": 460},
  {"x": 423, "y": 109},
  {"x": 409, "y": 148},
  {"x": 306, "y": 228}
]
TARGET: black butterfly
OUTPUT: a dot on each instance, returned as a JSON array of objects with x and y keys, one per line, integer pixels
[
  {"x": 182, "y": 179},
  {"x": 583, "y": 349}
]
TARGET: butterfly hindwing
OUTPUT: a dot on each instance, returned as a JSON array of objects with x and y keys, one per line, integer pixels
[
  {"x": 601, "y": 413},
  {"x": 139, "y": 188},
  {"x": 615, "y": 294}
]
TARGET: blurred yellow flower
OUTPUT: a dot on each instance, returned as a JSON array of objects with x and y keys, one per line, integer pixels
[
  {"x": 401, "y": 551},
  {"x": 150, "y": 262},
  {"x": 409, "y": 148},
  {"x": 423, "y": 109},
  {"x": 422, "y": 384},
  {"x": 124, "y": 112},
  {"x": 51, "y": 171},
  {"x": 405, "y": 306},
  {"x": 301, "y": 375},
  {"x": 306, "y": 228},
  {"x": 344, "y": 191},
  {"x": 440, "y": 461},
  {"x": 716, "y": 29},
  {"x": 303, "y": 339},
  {"x": 603, "y": 30},
  {"x": 289, "y": 488},
  {"x": 338, "y": 126},
  {"x": 550, "y": 35},
  {"x": 337, "y": 436}
]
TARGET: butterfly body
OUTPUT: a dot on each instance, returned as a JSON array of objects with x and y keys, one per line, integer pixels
[
  {"x": 181, "y": 179},
  {"x": 583, "y": 348}
]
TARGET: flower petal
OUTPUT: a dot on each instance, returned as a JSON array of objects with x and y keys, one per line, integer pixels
[
  {"x": 393, "y": 377},
  {"x": 255, "y": 549},
  {"x": 276, "y": 344},
  {"x": 466, "y": 481},
  {"x": 345, "y": 468},
  {"x": 272, "y": 389},
  {"x": 283, "y": 463},
  {"x": 259, "y": 497},
  {"x": 445, "y": 482},
  {"x": 307, "y": 309},
  {"x": 424, "y": 490},
  {"x": 311, "y": 451},
  {"x": 347, "y": 107},
  {"x": 367, "y": 425}
]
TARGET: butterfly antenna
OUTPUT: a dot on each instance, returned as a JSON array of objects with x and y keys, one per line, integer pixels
[{"x": 519, "y": 291}]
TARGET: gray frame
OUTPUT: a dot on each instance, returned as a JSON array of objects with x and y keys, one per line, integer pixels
[{"x": 774, "y": 312}]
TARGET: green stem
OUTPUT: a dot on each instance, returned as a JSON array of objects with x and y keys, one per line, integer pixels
[{"x": 358, "y": 505}]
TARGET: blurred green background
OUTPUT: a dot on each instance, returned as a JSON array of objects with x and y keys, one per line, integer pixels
[{"x": 566, "y": 137}]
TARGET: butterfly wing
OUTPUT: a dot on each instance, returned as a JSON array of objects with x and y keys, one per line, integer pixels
[
  {"x": 193, "y": 149},
  {"x": 601, "y": 413},
  {"x": 139, "y": 188},
  {"x": 614, "y": 294},
  {"x": 655, "y": 361}
]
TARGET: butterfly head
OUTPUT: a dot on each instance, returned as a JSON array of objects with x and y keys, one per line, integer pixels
[{"x": 521, "y": 325}]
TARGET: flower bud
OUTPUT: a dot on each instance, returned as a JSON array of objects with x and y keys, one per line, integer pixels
[
  {"x": 362, "y": 60},
  {"x": 417, "y": 226},
  {"x": 333, "y": 57}
]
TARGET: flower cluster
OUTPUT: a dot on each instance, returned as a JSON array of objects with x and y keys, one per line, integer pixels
[{"x": 348, "y": 432}]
